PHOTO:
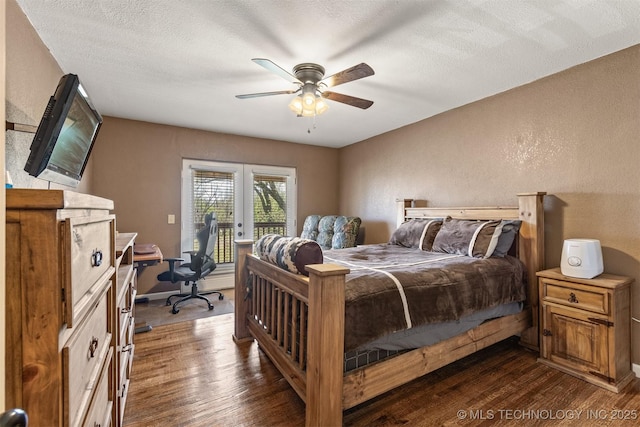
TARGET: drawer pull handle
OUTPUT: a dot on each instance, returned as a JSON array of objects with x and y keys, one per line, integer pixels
[
  {"x": 96, "y": 258},
  {"x": 572, "y": 298},
  {"x": 125, "y": 310},
  {"x": 93, "y": 346},
  {"x": 604, "y": 322}
]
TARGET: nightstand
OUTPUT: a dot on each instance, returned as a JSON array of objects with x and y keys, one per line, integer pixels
[{"x": 585, "y": 327}]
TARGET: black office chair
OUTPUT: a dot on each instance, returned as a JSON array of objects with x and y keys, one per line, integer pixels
[{"x": 201, "y": 265}]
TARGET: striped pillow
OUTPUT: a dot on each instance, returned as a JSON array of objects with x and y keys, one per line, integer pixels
[{"x": 476, "y": 239}]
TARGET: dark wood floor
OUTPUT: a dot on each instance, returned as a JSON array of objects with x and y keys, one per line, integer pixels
[{"x": 193, "y": 374}]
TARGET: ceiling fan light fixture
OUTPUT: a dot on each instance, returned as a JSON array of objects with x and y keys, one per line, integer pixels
[
  {"x": 309, "y": 77},
  {"x": 296, "y": 105},
  {"x": 321, "y": 105},
  {"x": 308, "y": 105},
  {"x": 309, "y": 100}
]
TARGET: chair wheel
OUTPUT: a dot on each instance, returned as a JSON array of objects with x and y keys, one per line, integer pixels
[
  {"x": 175, "y": 310},
  {"x": 221, "y": 297},
  {"x": 168, "y": 302},
  {"x": 210, "y": 307}
]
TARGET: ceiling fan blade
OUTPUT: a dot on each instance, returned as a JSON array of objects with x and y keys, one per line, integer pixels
[
  {"x": 271, "y": 66},
  {"x": 349, "y": 100},
  {"x": 256, "y": 95},
  {"x": 350, "y": 74}
]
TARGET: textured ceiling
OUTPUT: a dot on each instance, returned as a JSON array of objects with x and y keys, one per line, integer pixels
[{"x": 182, "y": 62}]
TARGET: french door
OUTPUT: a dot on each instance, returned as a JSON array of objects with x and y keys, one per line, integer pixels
[{"x": 248, "y": 200}]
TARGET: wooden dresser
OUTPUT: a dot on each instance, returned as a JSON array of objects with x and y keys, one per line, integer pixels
[
  {"x": 64, "y": 299},
  {"x": 585, "y": 327},
  {"x": 124, "y": 302}
]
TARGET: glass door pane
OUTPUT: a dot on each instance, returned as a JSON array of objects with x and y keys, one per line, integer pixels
[
  {"x": 248, "y": 200},
  {"x": 270, "y": 201},
  {"x": 269, "y": 205},
  {"x": 213, "y": 191},
  {"x": 212, "y": 187}
]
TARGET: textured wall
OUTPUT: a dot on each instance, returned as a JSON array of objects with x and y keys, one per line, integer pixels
[
  {"x": 32, "y": 75},
  {"x": 138, "y": 166},
  {"x": 573, "y": 134}
]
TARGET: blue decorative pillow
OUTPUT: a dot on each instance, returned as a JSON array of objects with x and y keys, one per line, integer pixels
[
  {"x": 345, "y": 232},
  {"x": 325, "y": 231},
  {"x": 289, "y": 253},
  {"x": 310, "y": 227}
]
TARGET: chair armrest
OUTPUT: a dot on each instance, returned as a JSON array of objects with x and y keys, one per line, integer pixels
[{"x": 172, "y": 263}]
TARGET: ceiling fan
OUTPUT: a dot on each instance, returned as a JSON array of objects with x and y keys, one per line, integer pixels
[{"x": 311, "y": 86}]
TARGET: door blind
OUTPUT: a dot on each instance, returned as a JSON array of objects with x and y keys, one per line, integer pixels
[{"x": 213, "y": 191}]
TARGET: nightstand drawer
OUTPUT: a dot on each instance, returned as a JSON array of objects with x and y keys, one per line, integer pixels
[{"x": 574, "y": 295}]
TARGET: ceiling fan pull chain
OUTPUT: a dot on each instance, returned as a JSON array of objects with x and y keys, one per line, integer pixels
[{"x": 314, "y": 124}]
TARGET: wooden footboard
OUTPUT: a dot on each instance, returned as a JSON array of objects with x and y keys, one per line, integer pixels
[{"x": 299, "y": 322}]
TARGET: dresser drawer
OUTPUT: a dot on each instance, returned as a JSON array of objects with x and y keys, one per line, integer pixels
[
  {"x": 100, "y": 411},
  {"x": 126, "y": 360},
  {"x": 84, "y": 357},
  {"x": 124, "y": 323},
  {"x": 89, "y": 257},
  {"x": 574, "y": 295}
]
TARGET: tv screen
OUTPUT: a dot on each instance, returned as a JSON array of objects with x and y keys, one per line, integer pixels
[{"x": 66, "y": 133}]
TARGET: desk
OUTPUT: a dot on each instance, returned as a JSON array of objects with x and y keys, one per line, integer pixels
[{"x": 145, "y": 255}]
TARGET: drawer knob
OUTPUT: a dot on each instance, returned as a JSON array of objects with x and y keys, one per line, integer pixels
[
  {"x": 93, "y": 346},
  {"x": 96, "y": 258},
  {"x": 572, "y": 298}
]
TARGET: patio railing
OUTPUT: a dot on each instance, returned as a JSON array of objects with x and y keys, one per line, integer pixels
[{"x": 224, "y": 244}]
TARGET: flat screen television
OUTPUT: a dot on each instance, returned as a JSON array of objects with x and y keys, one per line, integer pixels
[{"x": 65, "y": 136}]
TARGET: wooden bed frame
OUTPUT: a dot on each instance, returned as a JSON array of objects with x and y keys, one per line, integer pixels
[{"x": 298, "y": 321}]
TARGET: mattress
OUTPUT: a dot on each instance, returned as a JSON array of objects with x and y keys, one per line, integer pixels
[{"x": 392, "y": 288}]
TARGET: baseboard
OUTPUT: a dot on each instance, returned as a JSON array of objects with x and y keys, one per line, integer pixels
[
  {"x": 154, "y": 295},
  {"x": 636, "y": 369},
  {"x": 214, "y": 282}
]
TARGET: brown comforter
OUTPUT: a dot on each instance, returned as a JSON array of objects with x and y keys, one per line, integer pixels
[{"x": 391, "y": 288}]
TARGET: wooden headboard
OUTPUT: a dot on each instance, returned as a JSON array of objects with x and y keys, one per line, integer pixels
[{"x": 530, "y": 249}]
